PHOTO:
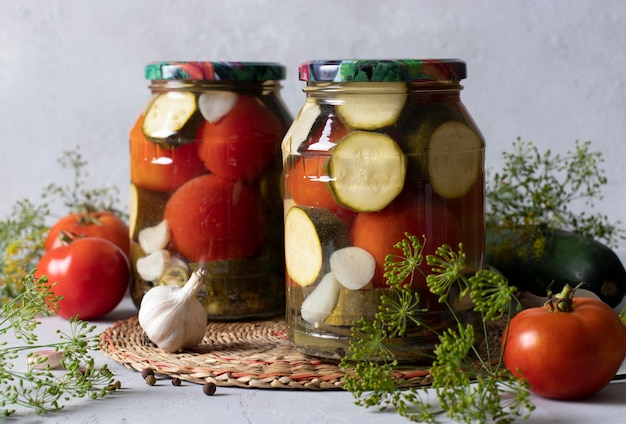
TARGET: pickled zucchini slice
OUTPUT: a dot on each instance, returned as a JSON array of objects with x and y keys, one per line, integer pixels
[
  {"x": 145, "y": 209},
  {"x": 133, "y": 204},
  {"x": 444, "y": 148},
  {"x": 311, "y": 235},
  {"x": 380, "y": 107},
  {"x": 175, "y": 276},
  {"x": 301, "y": 127},
  {"x": 366, "y": 171},
  {"x": 168, "y": 114},
  {"x": 353, "y": 305},
  {"x": 454, "y": 159}
]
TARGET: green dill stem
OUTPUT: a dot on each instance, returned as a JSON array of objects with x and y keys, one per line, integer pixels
[
  {"x": 42, "y": 390},
  {"x": 467, "y": 391}
]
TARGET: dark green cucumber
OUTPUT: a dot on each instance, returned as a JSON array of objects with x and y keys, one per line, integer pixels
[{"x": 566, "y": 258}]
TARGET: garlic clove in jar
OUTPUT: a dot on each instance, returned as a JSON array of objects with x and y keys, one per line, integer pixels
[
  {"x": 152, "y": 266},
  {"x": 173, "y": 318},
  {"x": 152, "y": 239}
]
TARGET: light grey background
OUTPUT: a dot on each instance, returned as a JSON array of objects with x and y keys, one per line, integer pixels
[{"x": 71, "y": 71}]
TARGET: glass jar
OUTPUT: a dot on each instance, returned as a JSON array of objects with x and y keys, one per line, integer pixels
[
  {"x": 379, "y": 148},
  {"x": 205, "y": 185}
]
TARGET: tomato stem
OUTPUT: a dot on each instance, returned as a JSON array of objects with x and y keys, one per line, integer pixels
[
  {"x": 67, "y": 236},
  {"x": 87, "y": 216},
  {"x": 563, "y": 301}
]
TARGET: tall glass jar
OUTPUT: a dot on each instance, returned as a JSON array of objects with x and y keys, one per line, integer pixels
[
  {"x": 205, "y": 185},
  {"x": 380, "y": 148}
]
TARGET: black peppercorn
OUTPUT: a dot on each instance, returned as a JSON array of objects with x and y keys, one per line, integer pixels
[
  {"x": 146, "y": 372},
  {"x": 209, "y": 388}
]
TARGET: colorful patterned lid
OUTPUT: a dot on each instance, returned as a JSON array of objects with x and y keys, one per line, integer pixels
[
  {"x": 383, "y": 70},
  {"x": 215, "y": 71}
]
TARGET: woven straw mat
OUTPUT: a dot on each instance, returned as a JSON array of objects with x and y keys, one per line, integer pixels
[{"x": 238, "y": 354}]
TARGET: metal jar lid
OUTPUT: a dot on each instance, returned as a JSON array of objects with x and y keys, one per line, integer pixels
[
  {"x": 383, "y": 70},
  {"x": 215, "y": 71}
]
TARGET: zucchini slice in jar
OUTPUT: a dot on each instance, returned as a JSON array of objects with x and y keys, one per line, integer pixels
[
  {"x": 145, "y": 209},
  {"x": 353, "y": 305},
  {"x": 454, "y": 159},
  {"x": 380, "y": 108},
  {"x": 367, "y": 171},
  {"x": 301, "y": 127},
  {"x": 174, "y": 275},
  {"x": 447, "y": 150},
  {"x": 311, "y": 236},
  {"x": 172, "y": 117}
]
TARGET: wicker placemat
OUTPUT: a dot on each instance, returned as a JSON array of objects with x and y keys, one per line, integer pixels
[{"x": 238, "y": 354}]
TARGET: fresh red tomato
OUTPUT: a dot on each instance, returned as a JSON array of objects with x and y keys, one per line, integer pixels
[
  {"x": 102, "y": 224},
  {"x": 160, "y": 168},
  {"x": 243, "y": 142},
  {"x": 91, "y": 274},
  {"x": 566, "y": 355}
]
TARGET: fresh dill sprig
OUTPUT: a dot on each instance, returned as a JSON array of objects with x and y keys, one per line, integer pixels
[
  {"x": 469, "y": 382},
  {"x": 491, "y": 294},
  {"x": 537, "y": 190},
  {"x": 400, "y": 308},
  {"x": 22, "y": 237},
  {"x": 76, "y": 197},
  {"x": 447, "y": 266},
  {"x": 45, "y": 390},
  {"x": 23, "y": 233}
]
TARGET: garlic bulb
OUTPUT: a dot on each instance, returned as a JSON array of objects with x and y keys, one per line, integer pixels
[{"x": 173, "y": 317}]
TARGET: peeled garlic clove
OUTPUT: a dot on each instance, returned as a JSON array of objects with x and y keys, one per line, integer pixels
[
  {"x": 154, "y": 238},
  {"x": 214, "y": 105},
  {"x": 152, "y": 266},
  {"x": 46, "y": 359},
  {"x": 353, "y": 267},
  {"x": 320, "y": 303}
]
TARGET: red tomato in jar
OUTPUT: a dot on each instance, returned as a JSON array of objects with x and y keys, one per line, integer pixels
[
  {"x": 212, "y": 218},
  {"x": 161, "y": 168},
  {"x": 91, "y": 274},
  {"x": 378, "y": 232},
  {"x": 566, "y": 355},
  {"x": 243, "y": 142},
  {"x": 304, "y": 182},
  {"x": 102, "y": 224}
]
